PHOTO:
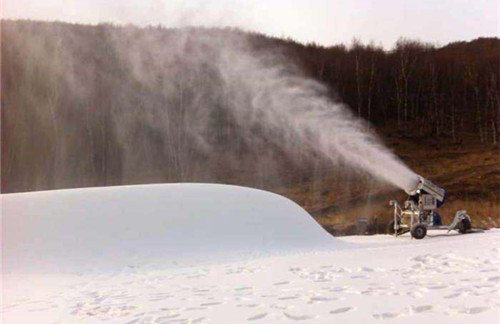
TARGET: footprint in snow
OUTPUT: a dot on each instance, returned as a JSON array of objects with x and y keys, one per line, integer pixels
[
  {"x": 319, "y": 299},
  {"x": 190, "y": 309},
  {"x": 455, "y": 295},
  {"x": 197, "y": 290},
  {"x": 360, "y": 277},
  {"x": 257, "y": 317},
  {"x": 422, "y": 309},
  {"x": 386, "y": 316},
  {"x": 436, "y": 287},
  {"x": 288, "y": 297},
  {"x": 281, "y": 283},
  {"x": 280, "y": 306},
  {"x": 211, "y": 304},
  {"x": 133, "y": 321},
  {"x": 298, "y": 317},
  {"x": 340, "y": 310},
  {"x": 474, "y": 310},
  {"x": 247, "y": 305},
  {"x": 415, "y": 294},
  {"x": 489, "y": 270}
]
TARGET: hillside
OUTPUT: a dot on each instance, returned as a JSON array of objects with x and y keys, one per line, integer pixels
[
  {"x": 86, "y": 106},
  {"x": 469, "y": 172}
]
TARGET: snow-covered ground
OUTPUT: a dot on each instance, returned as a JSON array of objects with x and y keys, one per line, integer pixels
[{"x": 147, "y": 254}]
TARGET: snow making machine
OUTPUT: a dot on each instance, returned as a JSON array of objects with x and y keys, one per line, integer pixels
[{"x": 419, "y": 213}]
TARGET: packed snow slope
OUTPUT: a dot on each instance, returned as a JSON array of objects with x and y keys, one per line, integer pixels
[
  {"x": 444, "y": 278},
  {"x": 115, "y": 227},
  {"x": 144, "y": 245}
]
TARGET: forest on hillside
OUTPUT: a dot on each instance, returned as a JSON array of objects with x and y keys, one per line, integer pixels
[
  {"x": 107, "y": 105},
  {"x": 438, "y": 91}
]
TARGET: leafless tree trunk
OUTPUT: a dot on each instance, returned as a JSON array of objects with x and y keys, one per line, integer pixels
[
  {"x": 494, "y": 131},
  {"x": 453, "y": 117},
  {"x": 399, "y": 96},
  {"x": 321, "y": 70},
  {"x": 370, "y": 87},
  {"x": 358, "y": 83}
]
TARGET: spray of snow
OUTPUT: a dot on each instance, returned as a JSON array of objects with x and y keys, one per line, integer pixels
[
  {"x": 294, "y": 109},
  {"x": 179, "y": 105},
  {"x": 267, "y": 94}
]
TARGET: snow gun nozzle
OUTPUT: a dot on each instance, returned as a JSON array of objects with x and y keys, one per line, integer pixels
[{"x": 426, "y": 186}]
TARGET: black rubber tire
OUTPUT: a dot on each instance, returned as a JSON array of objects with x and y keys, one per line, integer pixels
[
  {"x": 419, "y": 231},
  {"x": 464, "y": 226}
]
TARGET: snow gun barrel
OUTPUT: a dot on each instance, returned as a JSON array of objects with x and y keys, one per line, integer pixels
[{"x": 425, "y": 186}]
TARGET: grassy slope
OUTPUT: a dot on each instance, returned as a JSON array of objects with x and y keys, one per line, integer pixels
[{"x": 470, "y": 173}]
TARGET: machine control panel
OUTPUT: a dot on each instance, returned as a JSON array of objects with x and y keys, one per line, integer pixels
[{"x": 428, "y": 202}]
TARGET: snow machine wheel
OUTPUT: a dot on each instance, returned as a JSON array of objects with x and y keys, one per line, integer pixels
[
  {"x": 464, "y": 226},
  {"x": 419, "y": 231}
]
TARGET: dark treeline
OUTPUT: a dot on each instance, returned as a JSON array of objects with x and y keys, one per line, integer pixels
[
  {"x": 106, "y": 105},
  {"x": 415, "y": 87}
]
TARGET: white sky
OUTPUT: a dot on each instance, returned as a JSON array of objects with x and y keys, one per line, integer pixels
[{"x": 326, "y": 22}]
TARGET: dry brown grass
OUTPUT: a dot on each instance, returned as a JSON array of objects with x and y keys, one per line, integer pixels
[
  {"x": 470, "y": 172},
  {"x": 485, "y": 214}
]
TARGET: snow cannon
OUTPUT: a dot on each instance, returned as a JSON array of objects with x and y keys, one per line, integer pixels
[
  {"x": 418, "y": 214},
  {"x": 426, "y": 187}
]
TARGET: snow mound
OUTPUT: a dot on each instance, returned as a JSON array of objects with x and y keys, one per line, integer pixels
[{"x": 116, "y": 227}]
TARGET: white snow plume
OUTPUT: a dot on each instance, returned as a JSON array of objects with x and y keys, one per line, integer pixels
[
  {"x": 267, "y": 96},
  {"x": 295, "y": 110},
  {"x": 124, "y": 105}
]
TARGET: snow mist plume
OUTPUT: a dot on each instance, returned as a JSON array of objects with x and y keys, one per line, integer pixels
[
  {"x": 263, "y": 90},
  {"x": 122, "y": 105},
  {"x": 294, "y": 109}
]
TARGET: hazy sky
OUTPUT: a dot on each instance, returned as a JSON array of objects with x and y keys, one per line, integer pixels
[{"x": 322, "y": 21}]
